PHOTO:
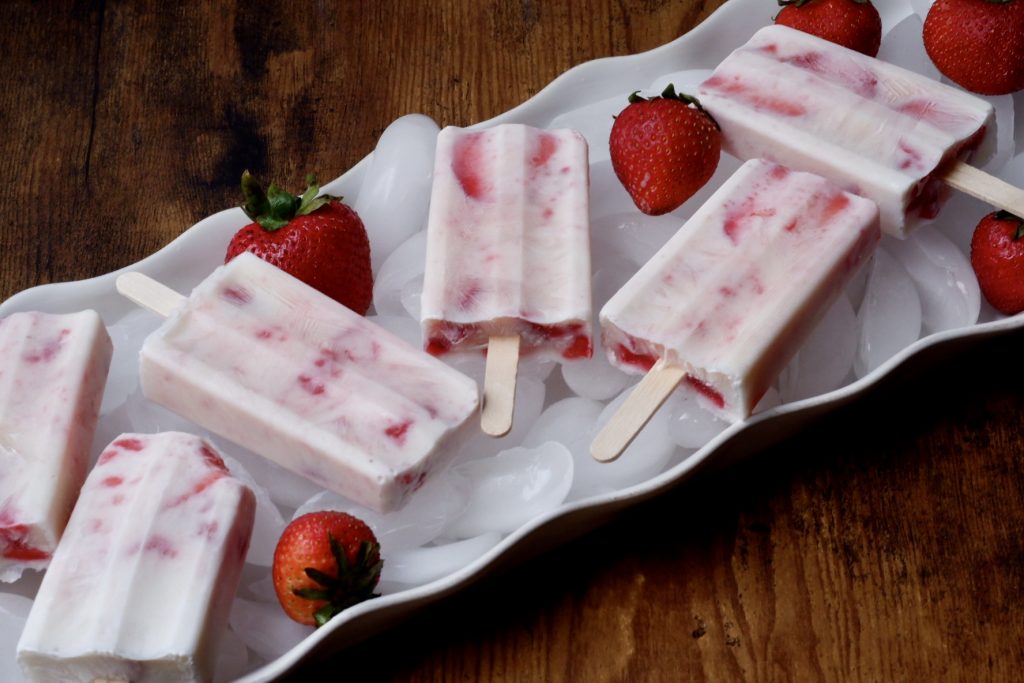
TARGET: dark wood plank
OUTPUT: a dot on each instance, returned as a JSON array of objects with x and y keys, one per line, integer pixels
[{"x": 884, "y": 544}]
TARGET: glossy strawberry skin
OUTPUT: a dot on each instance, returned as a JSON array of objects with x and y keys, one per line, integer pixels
[
  {"x": 305, "y": 544},
  {"x": 978, "y": 44},
  {"x": 997, "y": 255},
  {"x": 663, "y": 150},
  {"x": 327, "y": 249},
  {"x": 851, "y": 24}
]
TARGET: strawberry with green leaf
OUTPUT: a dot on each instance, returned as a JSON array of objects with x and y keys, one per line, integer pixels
[
  {"x": 325, "y": 562},
  {"x": 997, "y": 255},
  {"x": 664, "y": 149},
  {"x": 313, "y": 237}
]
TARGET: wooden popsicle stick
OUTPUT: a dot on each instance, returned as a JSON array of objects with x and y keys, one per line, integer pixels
[
  {"x": 500, "y": 385},
  {"x": 148, "y": 293},
  {"x": 638, "y": 409},
  {"x": 985, "y": 187}
]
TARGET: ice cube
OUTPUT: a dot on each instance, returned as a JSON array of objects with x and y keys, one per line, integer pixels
[
  {"x": 401, "y": 326},
  {"x": 594, "y": 121},
  {"x": 269, "y": 523},
  {"x": 412, "y": 292},
  {"x": 921, "y": 7},
  {"x": 960, "y": 217},
  {"x": 426, "y": 514},
  {"x": 644, "y": 458},
  {"x": 630, "y": 235},
  {"x": 417, "y": 566},
  {"x": 690, "y": 423},
  {"x": 14, "y": 611},
  {"x": 528, "y": 405},
  {"x": 406, "y": 263},
  {"x": 902, "y": 46},
  {"x": 1005, "y": 130},
  {"x": 596, "y": 377},
  {"x": 395, "y": 193},
  {"x": 232, "y": 658},
  {"x": 512, "y": 488},
  {"x": 127, "y": 335},
  {"x": 265, "y": 628},
  {"x": 286, "y": 488},
  {"x": 825, "y": 359},
  {"x": 890, "y": 316},
  {"x": 893, "y": 15},
  {"x": 607, "y": 195},
  {"x": 946, "y": 284}
]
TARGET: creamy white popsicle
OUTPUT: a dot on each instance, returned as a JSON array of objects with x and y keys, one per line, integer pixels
[
  {"x": 141, "y": 585},
  {"x": 508, "y": 242},
  {"x": 872, "y": 128},
  {"x": 52, "y": 372},
  {"x": 733, "y": 294},
  {"x": 263, "y": 359}
]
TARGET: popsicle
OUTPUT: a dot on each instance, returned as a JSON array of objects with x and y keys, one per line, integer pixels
[
  {"x": 52, "y": 372},
  {"x": 141, "y": 584},
  {"x": 508, "y": 253},
  {"x": 728, "y": 300},
  {"x": 263, "y": 359},
  {"x": 874, "y": 129}
]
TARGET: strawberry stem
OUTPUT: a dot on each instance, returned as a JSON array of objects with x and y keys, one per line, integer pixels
[
  {"x": 669, "y": 93},
  {"x": 274, "y": 208}
]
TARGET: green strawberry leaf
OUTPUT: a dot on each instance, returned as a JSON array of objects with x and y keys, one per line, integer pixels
[
  {"x": 256, "y": 203},
  {"x": 274, "y": 208},
  {"x": 325, "y": 614},
  {"x": 320, "y": 577},
  {"x": 312, "y": 593},
  {"x": 271, "y": 224}
]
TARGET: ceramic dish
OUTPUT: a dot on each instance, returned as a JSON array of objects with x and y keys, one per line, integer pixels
[{"x": 195, "y": 253}]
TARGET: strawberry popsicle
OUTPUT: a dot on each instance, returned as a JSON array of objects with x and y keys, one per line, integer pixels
[
  {"x": 508, "y": 242},
  {"x": 870, "y": 127},
  {"x": 141, "y": 585},
  {"x": 728, "y": 300},
  {"x": 52, "y": 372},
  {"x": 508, "y": 253},
  {"x": 263, "y": 359}
]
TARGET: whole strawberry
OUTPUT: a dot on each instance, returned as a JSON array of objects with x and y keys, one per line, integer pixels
[
  {"x": 319, "y": 240},
  {"x": 978, "y": 44},
  {"x": 323, "y": 563},
  {"x": 851, "y": 23},
  {"x": 664, "y": 149},
  {"x": 997, "y": 255}
]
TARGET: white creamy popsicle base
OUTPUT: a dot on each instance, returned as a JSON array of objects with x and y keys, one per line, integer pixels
[
  {"x": 52, "y": 372},
  {"x": 263, "y": 359},
  {"x": 141, "y": 585},
  {"x": 734, "y": 293}
]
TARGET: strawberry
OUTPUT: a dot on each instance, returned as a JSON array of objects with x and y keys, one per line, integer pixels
[
  {"x": 323, "y": 563},
  {"x": 997, "y": 255},
  {"x": 978, "y": 44},
  {"x": 664, "y": 149},
  {"x": 851, "y": 23},
  {"x": 319, "y": 240}
]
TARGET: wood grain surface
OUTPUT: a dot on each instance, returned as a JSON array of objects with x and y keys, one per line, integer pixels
[{"x": 882, "y": 545}]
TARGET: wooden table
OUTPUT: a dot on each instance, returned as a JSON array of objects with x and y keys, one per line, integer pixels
[{"x": 884, "y": 544}]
